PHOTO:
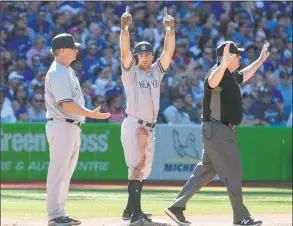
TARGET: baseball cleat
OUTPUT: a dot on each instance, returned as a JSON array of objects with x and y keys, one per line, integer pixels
[
  {"x": 63, "y": 221},
  {"x": 126, "y": 216},
  {"x": 176, "y": 214},
  {"x": 142, "y": 219},
  {"x": 249, "y": 221}
]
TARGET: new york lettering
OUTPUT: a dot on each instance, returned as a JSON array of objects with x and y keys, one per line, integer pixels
[{"x": 144, "y": 84}]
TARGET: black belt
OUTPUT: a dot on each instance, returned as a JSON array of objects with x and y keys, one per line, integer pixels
[
  {"x": 74, "y": 122},
  {"x": 221, "y": 122},
  {"x": 151, "y": 125}
]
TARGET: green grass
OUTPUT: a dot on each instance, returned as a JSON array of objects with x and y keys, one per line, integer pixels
[{"x": 21, "y": 203}]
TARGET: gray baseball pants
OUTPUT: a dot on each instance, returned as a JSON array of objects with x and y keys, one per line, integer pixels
[
  {"x": 64, "y": 141},
  {"x": 220, "y": 156}
]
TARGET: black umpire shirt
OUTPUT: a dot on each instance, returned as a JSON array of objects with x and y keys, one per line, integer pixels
[{"x": 230, "y": 97}]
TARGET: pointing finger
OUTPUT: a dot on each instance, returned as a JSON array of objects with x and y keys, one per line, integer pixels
[
  {"x": 165, "y": 11},
  {"x": 227, "y": 47},
  {"x": 127, "y": 9},
  {"x": 266, "y": 45},
  {"x": 98, "y": 108}
]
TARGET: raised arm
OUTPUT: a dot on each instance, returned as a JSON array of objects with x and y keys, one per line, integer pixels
[
  {"x": 250, "y": 70},
  {"x": 169, "y": 44},
  {"x": 217, "y": 74},
  {"x": 126, "y": 55}
]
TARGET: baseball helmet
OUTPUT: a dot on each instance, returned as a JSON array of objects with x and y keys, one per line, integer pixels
[{"x": 143, "y": 47}]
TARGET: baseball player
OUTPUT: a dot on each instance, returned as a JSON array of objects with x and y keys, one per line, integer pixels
[
  {"x": 141, "y": 79},
  {"x": 221, "y": 113},
  {"x": 65, "y": 114}
]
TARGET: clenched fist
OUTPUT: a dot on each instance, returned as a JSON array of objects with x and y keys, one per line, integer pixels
[
  {"x": 126, "y": 18},
  {"x": 168, "y": 21}
]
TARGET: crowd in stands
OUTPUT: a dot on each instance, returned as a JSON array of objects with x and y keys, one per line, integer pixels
[{"x": 27, "y": 28}]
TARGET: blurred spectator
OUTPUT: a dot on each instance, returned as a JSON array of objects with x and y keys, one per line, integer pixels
[
  {"x": 271, "y": 84},
  {"x": 175, "y": 113},
  {"x": 7, "y": 113},
  {"x": 164, "y": 96},
  {"x": 98, "y": 101},
  {"x": 40, "y": 25},
  {"x": 38, "y": 48},
  {"x": 207, "y": 60},
  {"x": 23, "y": 69},
  {"x": 266, "y": 110},
  {"x": 196, "y": 88},
  {"x": 27, "y": 30},
  {"x": 242, "y": 36},
  {"x": 114, "y": 105},
  {"x": 273, "y": 62},
  {"x": 247, "y": 117},
  {"x": 36, "y": 111},
  {"x": 192, "y": 109},
  {"x": 91, "y": 57},
  {"x": 104, "y": 79},
  {"x": 181, "y": 88},
  {"x": 87, "y": 91},
  {"x": 39, "y": 78},
  {"x": 285, "y": 87},
  {"x": 20, "y": 99},
  {"x": 14, "y": 80},
  {"x": 22, "y": 115},
  {"x": 109, "y": 59}
]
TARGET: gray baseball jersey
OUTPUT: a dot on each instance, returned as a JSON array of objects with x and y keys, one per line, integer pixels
[
  {"x": 61, "y": 85},
  {"x": 143, "y": 91},
  {"x": 143, "y": 102}
]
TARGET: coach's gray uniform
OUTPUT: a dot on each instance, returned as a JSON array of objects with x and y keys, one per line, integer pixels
[
  {"x": 143, "y": 101},
  {"x": 64, "y": 138}
]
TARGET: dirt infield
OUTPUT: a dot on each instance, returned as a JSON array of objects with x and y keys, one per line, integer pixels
[
  {"x": 119, "y": 184},
  {"x": 201, "y": 220}
]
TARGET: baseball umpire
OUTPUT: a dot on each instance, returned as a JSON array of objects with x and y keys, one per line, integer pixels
[
  {"x": 65, "y": 114},
  {"x": 221, "y": 114},
  {"x": 141, "y": 79}
]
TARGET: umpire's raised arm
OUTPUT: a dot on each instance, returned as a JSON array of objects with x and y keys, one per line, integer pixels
[
  {"x": 126, "y": 55},
  {"x": 169, "y": 44}
]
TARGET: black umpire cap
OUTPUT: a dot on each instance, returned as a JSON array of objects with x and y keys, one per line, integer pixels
[
  {"x": 64, "y": 41},
  {"x": 233, "y": 48},
  {"x": 143, "y": 47}
]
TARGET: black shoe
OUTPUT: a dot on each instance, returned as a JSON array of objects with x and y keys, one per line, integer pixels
[
  {"x": 126, "y": 216},
  {"x": 176, "y": 214},
  {"x": 142, "y": 219},
  {"x": 249, "y": 221},
  {"x": 64, "y": 221}
]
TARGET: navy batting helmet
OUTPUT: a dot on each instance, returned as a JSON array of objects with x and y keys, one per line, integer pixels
[{"x": 143, "y": 47}]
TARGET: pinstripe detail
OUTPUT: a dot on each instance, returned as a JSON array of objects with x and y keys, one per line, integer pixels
[
  {"x": 64, "y": 100},
  {"x": 161, "y": 68},
  {"x": 127, "y": 69}
]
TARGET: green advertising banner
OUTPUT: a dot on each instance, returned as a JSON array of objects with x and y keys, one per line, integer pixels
[
  {"x": 25, "y": 153},
  {"x": 266, "y": 153}
]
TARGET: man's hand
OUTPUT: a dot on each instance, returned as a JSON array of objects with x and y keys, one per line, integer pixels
[
  {"x": 168, "y": 21},
  {"x": 126, "y": 18},
  {"x": 264, "y": 53},
  {"x": 98, "y": 115},
  {"x": 227, "y": 58}
]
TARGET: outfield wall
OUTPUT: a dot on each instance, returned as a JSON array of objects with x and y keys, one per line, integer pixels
[{"x": 266, "y": 152}]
